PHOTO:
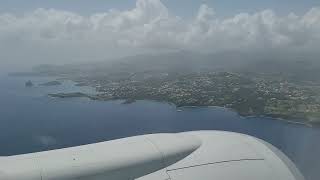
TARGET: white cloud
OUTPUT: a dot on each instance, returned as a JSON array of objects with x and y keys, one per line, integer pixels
[{"x": 55, "y": 34}]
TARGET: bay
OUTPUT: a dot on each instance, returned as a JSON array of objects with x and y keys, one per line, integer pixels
[{"x": 30, "y": 121}]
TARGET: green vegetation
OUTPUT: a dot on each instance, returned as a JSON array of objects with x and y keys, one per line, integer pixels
[
  {"x": 248, "y": 96},
  {"x": 280, "y": 89}
]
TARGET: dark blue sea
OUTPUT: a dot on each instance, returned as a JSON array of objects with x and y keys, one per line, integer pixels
[{"x": 30, "y": 121}]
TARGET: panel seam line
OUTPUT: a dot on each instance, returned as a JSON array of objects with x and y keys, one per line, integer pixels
[{"x": 205, "y": 164}]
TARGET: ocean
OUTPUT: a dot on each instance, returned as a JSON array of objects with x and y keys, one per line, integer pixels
[{"x": 31, "y": 122}]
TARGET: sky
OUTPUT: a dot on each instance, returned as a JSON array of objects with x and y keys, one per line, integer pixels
[
  {"x": 185, "y": 8},
  {"x": 60, "y": 31}
]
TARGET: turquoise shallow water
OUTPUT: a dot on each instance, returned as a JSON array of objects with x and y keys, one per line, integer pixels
[{"x": 31, "y": 121}]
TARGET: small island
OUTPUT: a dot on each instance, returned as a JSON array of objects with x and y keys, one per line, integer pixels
[
  {"x": 29, "y": 84},
  {"x": 81, "y": 84},
  {"x": 51, "y": 83}
]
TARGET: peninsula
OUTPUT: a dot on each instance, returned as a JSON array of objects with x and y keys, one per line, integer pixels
[{"x": 274, "y": 89}]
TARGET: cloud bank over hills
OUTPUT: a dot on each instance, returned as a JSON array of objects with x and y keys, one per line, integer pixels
[{"x": 49, "y": 35}]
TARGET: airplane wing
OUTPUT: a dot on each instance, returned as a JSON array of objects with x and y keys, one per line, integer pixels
[{"x": 205, "y": 155}]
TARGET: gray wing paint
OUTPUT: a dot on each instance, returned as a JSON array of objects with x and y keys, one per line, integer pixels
[{"x": 205, "y": 155}]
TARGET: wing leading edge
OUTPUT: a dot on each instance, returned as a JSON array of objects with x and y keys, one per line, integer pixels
[{"x": 204, "y": 155}]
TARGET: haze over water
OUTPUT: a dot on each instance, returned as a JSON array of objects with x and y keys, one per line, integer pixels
[{"x": 31, "y": 121}]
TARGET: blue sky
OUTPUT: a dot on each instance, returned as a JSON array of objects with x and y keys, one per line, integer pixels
[{"x": 183, "y": 8}]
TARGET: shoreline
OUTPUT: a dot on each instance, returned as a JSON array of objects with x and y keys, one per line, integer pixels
[
  {"x": 94, "y": 97},
  {"x": 252, "y": 116},
  {"x": 181, "y": 108}
]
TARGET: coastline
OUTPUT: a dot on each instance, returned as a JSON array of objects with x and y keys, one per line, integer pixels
[
  {"x": 254, "y": 116},
  {"x": 95, "y": 97},
  {"x": 181, "y": 108}
]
